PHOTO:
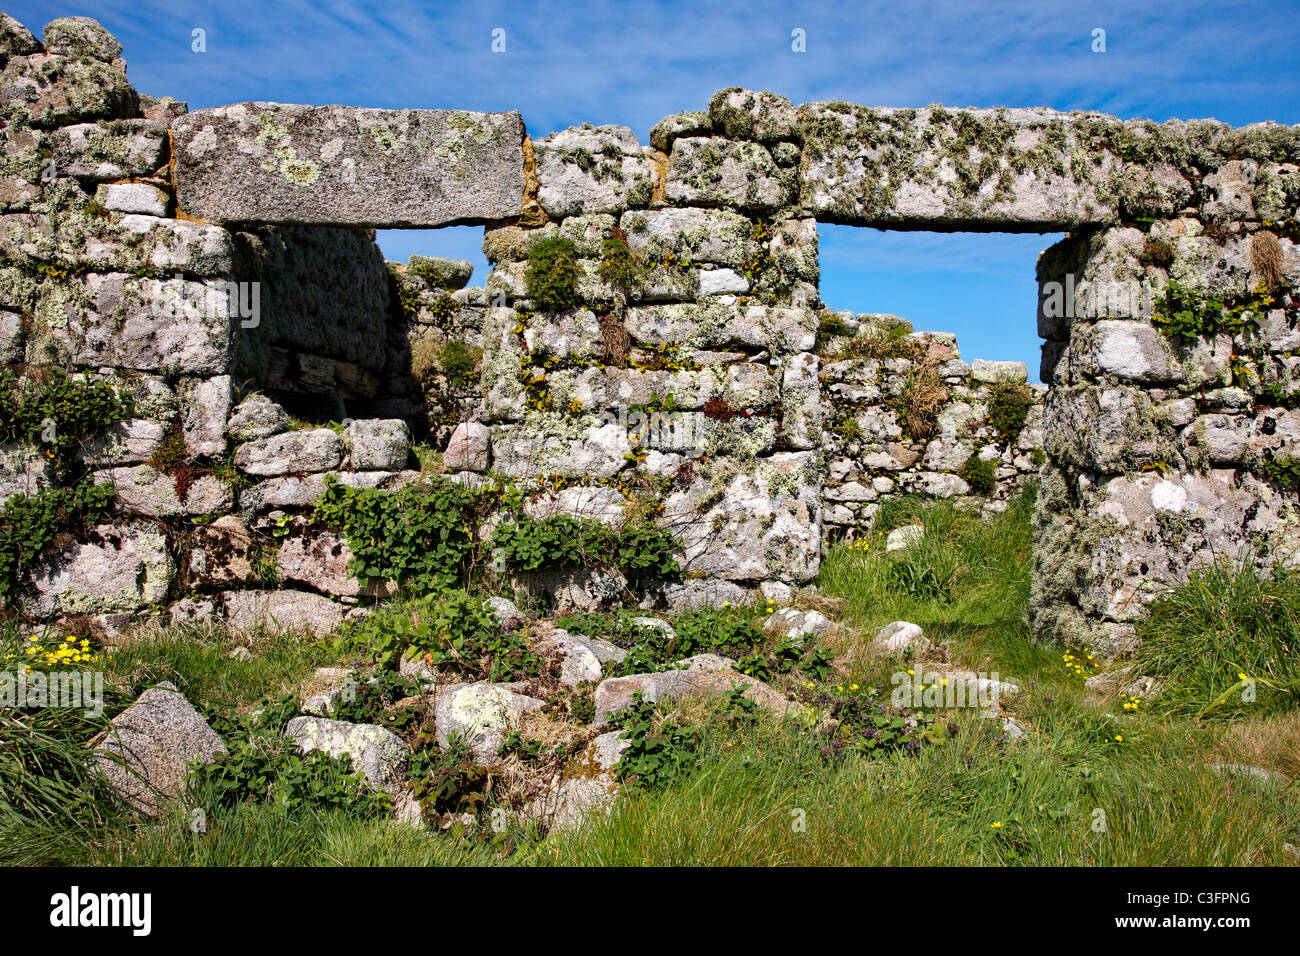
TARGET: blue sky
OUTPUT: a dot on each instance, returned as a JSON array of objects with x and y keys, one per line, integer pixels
[{"x": 632, "y": 63}]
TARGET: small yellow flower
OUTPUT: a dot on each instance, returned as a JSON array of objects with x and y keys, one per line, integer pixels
[{"x": 996, "y": 826}]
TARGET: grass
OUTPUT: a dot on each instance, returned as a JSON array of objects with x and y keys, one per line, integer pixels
[
  {"x": 966, "y": 581},
  {"x": 1226, "y": 630},
  {"x": 1090, "y": 784},
  {"x": 264, "y": 835},
  {"x": 198, "y": 660},
  {"x": 975, "y": 800}
]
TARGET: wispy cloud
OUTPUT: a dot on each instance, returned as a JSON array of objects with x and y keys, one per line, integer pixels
[{"x": 632, "y": 63}]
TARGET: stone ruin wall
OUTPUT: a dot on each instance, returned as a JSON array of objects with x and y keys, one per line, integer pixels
[{"x": 125, "y": 217}]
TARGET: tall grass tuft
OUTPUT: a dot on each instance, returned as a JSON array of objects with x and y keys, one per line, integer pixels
[
  {"x": 52, "y": 798},
  {"x": 1226, "y": 621}
]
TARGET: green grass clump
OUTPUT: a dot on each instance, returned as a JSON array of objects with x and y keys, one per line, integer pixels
[
  {"x": 52, "y": 797},
  {"x": 197, "y": 661},
  {"x": 1009, "y": 406},
  {"x": 459, "y": 362},
  {"x": 980, "y": 475},
  {"x": 1226, "y": 635},
  {"x": 620, "y": 265},
  {"x": 967, "y": 575},
  {"x": 1069, "y": 795},
  {"x": 551, "y": 276}
]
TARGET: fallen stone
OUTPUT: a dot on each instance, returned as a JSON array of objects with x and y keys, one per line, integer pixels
[
  {"x": 480, "y": 714},
  {"x": 376, "y": 752},
  {"x": 796, "y": 624},
  {"x": 505, "y": 610},
  {"x": 583, "y": 658},
  {"x": 587, "y": 787},
  {"x": 901, "y": 637},
  {"x": 900, "y": 539},
  {"x": 1256, "y": 774},
  {"x": 150, "y": 745},
  {"x": 706, "y": 674}
]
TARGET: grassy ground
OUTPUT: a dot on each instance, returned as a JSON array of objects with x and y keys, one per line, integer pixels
[{"x": 1090, "y": 784}]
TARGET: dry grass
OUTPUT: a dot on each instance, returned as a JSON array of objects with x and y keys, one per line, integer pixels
[
  {"x": 1269, "y": 742},
  {"x": 615, "y": 339},
  {"x": 1266, "y": 259},
  {"x": 426, "y": 358},
  {"x": 921, "y": 397}
]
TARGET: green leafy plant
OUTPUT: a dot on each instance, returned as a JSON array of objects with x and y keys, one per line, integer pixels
[
  {"x": 551, "y": 276},
  {"x": 1185, "y": 315},
  {"x": 1283, "y": 472},
  {"x": 642, "y": 552},
  {"x": 421, "y": 534},
  {"x": 787, "y": 655},
  {"x": 557, "y": 542},
  {"x": 453, "y": 630},
  {"x": 646, "y": 554},
  {"x": 447, "y": 780},
  {"x": 262, "y": 766},
  {"x": 866, "y": 726},
  {"x": 57, "y": 413},
  {"x": 660, "y": 749},
  {"x": 372, "y": 703},
  {"x": 1278, "y": 395},
  {"x": 30, "y": 525}
]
